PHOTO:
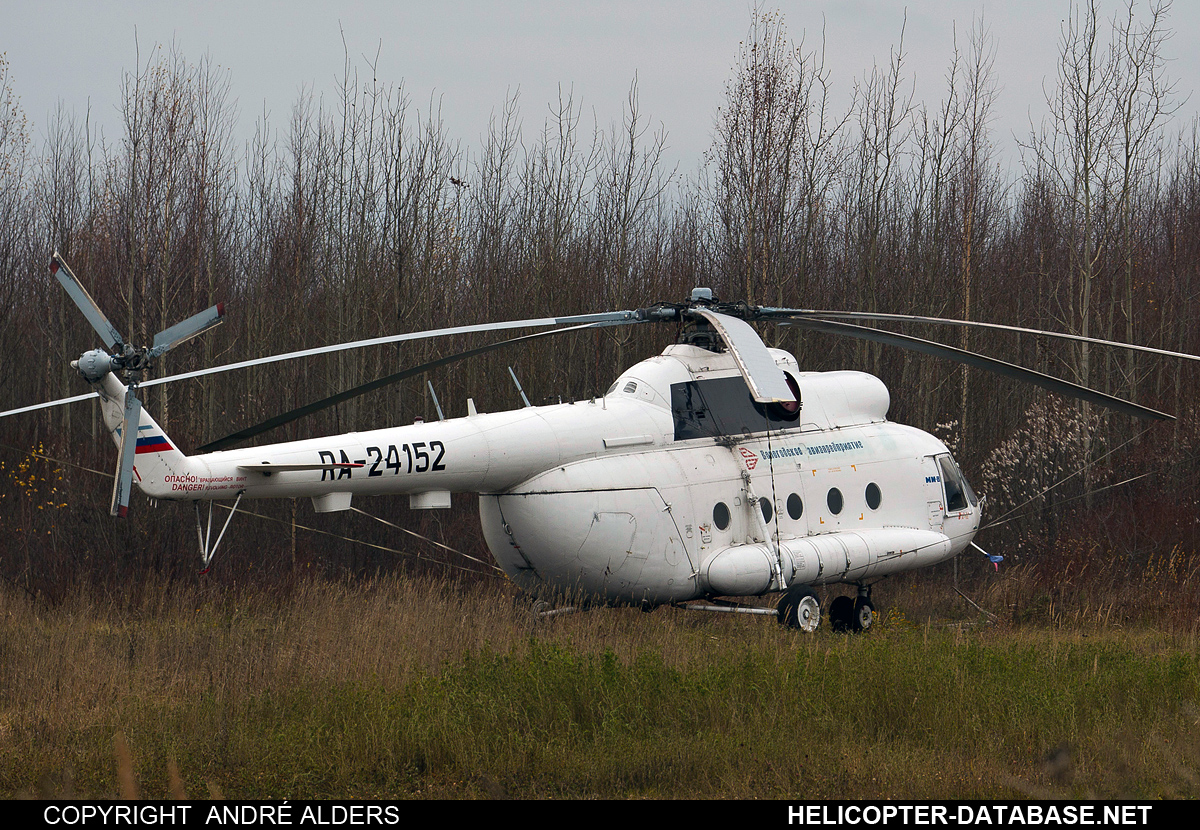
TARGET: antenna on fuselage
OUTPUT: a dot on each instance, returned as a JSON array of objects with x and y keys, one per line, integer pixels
[
  {"x": 513, "y": 375},
  {"x": 436, "y": 405}
]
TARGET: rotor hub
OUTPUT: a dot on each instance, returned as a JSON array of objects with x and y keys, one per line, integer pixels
[
  {"x": 95, "y": 364},
  {"x": 702, "y": 336}
]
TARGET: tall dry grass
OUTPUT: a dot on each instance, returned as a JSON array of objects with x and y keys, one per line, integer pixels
[{"x": 416, "y": 687}]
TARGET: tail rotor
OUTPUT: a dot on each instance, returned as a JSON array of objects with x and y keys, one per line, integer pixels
[{"x": 127, "y": 362}]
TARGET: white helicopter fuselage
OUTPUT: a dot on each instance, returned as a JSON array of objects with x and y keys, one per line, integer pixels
[{"x": 674, "y": 485}]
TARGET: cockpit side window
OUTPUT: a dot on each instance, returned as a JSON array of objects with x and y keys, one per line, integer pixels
[{"x": 958, "y": 493}]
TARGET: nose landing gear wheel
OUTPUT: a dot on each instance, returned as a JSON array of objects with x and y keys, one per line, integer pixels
[{"x": 800, "y": 609}]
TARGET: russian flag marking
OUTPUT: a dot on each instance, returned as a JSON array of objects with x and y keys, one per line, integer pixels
[{"x": 155, "y": 443}]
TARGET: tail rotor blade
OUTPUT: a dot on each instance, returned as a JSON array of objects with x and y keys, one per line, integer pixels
[
  {"x": 107, "y": 331},
  {"x": 169, "y": 338},
  {"x": 125, "y": 456}
]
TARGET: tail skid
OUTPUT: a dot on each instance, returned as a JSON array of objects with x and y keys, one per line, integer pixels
[{"x": 208, "y": 548}]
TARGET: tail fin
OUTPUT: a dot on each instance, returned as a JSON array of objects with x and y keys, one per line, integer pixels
[{"x": 158, "y": 460}]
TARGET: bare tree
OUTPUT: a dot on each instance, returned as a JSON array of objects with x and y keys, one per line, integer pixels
[
  {"x": 1106, "y": 114},
  {"x": 884, "y": 110},
  {"x": 15, "y": 169},
  {"x": 493, "y": 205},
  {"x": 977, "y": 185},
  {"x": 1076, "y": 151},
  {"x": 754, "y": 151},
  {"x": 62, "y": 193},
  {"x": 631, "y": 183},
  {"x": 1143, "y": 100}
]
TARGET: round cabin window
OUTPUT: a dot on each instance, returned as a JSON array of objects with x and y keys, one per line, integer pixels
[
  {"x": 721, "y": 515},
  {"x": 874, "y": 497},
  {"x": 834, "y": 499},
  {"x": 767, "y": 510},
  {"x": 795, "y": 506}
]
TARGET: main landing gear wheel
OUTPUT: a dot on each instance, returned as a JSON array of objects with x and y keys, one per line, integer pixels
[
  {"x": 864, "y": 614},
  {"x": 841, "y": 614},
  {"x": 800, "y": 609}
]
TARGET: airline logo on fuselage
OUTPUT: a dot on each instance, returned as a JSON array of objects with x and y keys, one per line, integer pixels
[{"x": 819, "y": 449}]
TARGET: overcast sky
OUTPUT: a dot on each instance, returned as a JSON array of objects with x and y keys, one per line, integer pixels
[{"x": 471, "y": 54}]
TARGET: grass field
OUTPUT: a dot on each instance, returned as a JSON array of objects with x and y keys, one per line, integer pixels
[{"x": 407, "y": 687}]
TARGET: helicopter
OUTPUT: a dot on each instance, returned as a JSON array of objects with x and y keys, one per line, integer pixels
[{"x": 717, "y": 469}]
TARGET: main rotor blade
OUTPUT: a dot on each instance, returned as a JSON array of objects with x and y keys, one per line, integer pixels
[
  {"x": 333, "y": 400},
  {"x": 169, "y": 338},
  {"x": 1062, "y": 387},
  {"x": 946, "y": 321},
  {"x": 107, "y": 331},
  {"x": 611, "y": 318},
  {"x": 123, "y": 482},
  {"x": 48, "y": 404},
  {"x": 765, "y": 379}
]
